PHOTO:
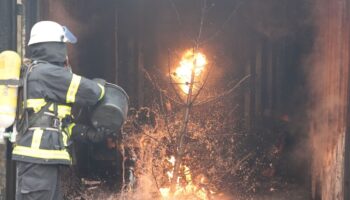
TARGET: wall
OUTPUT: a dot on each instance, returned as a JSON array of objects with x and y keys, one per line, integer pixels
[
  {"x": 94, "y": 23},
  {"x": 7, "y": 42},
  {"x": 328, "y": 70}
]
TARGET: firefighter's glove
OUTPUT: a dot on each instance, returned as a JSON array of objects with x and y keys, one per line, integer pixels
[
  {"x": 79, "y": 132},
  {"x": 108, "y": 133},
  {"x": 85, "y": 133},
  {"x": 98, "y": 135}
]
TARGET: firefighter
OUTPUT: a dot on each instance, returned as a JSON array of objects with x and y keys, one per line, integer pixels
[{"x": 46, "y": 123}]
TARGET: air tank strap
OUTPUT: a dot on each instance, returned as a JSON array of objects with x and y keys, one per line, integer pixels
[{"x": 11, "y": 82}]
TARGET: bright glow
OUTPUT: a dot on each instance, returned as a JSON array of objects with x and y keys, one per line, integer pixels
[
  {"x": 190, "y": 61},
  {"x": 185, "y": 187}
]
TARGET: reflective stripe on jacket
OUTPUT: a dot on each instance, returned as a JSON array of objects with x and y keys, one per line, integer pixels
[{"x": 48, "y": 83}]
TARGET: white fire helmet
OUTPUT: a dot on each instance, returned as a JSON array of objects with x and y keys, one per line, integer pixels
[{"x": 49, "y": 31}]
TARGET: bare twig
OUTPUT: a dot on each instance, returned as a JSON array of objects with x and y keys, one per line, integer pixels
[
  {"x": 155, "y": 179},
  {"x": 222, "y": 27},
  {"x": 122, "y": 150},
  {"x": 204, "y": 7},
  {"x": 178, "y": 18},
  {"x": 218, "y": 97},
  {"x": 165, "y": 113},
  {"x": 154, "y": 83},
  {"x": 239, "y": 163},
  {"x": 233, "y": 110},
  {"x": 153, "y": 138},
  {"x": 162, "y": 92},
  {"x": 203, "y": 85}
]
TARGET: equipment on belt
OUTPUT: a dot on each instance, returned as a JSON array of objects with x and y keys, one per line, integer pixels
[
  {"x": 111, "y": 112},
  {"x": 10, "y": 66}
]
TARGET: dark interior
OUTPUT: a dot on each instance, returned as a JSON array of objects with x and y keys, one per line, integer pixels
[{"x": 270, "y": 40}]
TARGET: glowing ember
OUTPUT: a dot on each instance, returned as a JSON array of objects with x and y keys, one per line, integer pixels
[
  {"x": 185, "y": 187},
  {"x": 190, "y": 61}
]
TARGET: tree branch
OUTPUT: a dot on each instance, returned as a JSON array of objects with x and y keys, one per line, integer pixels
[
  {"x": 222, "y": 27},
  {"x": 216, "y": 98},
  {"x": 148, "y": 76}
]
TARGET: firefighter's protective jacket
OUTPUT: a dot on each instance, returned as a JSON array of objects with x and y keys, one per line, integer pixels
[{"x": 54, "y": 88}]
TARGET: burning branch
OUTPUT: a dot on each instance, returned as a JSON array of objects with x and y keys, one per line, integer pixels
[
  {"x": 191, "y": 66},
  {"x": 187, "y": 81},
  {"x": 187, "y": 76}
]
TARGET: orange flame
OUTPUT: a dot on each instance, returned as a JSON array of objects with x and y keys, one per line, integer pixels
[
  {"x": 185, "y": 188},
  {"x": 190, "y": 61}
]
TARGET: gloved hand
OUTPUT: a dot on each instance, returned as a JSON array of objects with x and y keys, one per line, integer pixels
[
  {"x": 96, "y": 135},
  {"x": 85, "y": 133}
]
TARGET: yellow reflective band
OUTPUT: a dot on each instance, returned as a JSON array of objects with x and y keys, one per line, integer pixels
[
  {"x": 102, "y": 91},
  {"x": 62, "y": 110},
  {"x": 41, "y": 153},
  {"x": 73, "y": 88},
  {"x": 70, "y": 129},
  {"x": 64, "y": 138},
  {"x": 36, "y": 141},
  {"x": 36, "y": 104}
]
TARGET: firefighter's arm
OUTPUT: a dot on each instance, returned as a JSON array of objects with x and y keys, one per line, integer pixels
[
  {"x": 66, "y": 87},
  {"x": 88, "y": 93}
]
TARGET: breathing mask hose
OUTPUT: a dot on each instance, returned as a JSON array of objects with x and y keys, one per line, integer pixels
[
  {"x": 24, "y": 115},
  {"x": 25, "y": 97}
]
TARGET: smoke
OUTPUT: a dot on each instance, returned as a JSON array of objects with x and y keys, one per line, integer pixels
[
  {"x": 94, "y": 24},
  {"x": 146, "y": 190}
]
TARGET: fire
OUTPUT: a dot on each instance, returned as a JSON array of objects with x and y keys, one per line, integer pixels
[
  {"x": 185, "y": 186},
  {"x": 190, "y": 61}
]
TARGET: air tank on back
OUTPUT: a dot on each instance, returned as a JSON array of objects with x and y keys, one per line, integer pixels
[{"x": 10, "y": 64}]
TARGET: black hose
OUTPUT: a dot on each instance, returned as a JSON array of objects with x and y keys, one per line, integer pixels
[{"x": 24, "y": 114}]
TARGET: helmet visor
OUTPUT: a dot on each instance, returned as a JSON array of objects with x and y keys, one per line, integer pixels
[{"x": 68, "y": 36}]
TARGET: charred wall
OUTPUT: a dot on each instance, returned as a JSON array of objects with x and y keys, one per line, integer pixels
[
  {"x": 272, "y": 47},
  {"x": 328, "y": 80},
  {"x": 8, "y": 24}
]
